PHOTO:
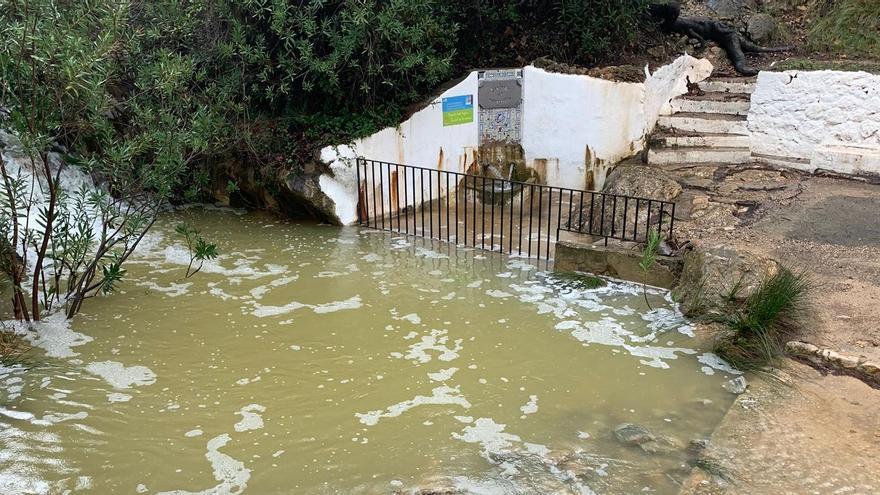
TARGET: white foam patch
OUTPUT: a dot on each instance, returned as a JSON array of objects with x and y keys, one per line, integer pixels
[
  {"x": 437, "y": 342},
  {"x": 120, "y": 376},
  {"x": 118, "y": 397},
  {"x": 442, "y": 375},
  {"x": 231, "y": 474},
  {"x": 443, "y": 395},
  {"x": 489, "y": 434},
  {"x": 430, "y": 254},
  {"x": 172, "y": 290},
  {"x": 250, "y": 418},
  {"x": 350, "y": 303},
  {"x": 714, "y": 362},
  {"x": 177, "y": 254},
  {"x": 499, "y": 294},
  {"x": 193, "y": 433},
  {"x": 531, "y": 407},
  {"x": 412, "y": 318},
  {"x": 53, "y": 334},
  {"x": 260, "y": 291},
  {"x": 261, "y": 311}
]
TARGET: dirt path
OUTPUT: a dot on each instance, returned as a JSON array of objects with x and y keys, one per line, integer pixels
[{"x": 809, "y": 432}]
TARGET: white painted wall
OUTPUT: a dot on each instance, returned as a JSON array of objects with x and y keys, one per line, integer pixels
[
  {"x": 576, "y": 127},
  {"x": 825, "y": 119},
  {"x": 564, "y": 116},
  {"x": 421, "y": 141}
]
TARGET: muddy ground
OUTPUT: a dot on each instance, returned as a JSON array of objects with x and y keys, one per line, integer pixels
[{"x": 797, "y": 429}]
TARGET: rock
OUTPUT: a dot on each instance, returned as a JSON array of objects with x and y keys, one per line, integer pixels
[
  {"x": 711, "y": 276},
  {"x": 633, "y": 434},
  {"x": 631, "y": 180},
  {"x": 732, "y": 8},
  {"x": 762, "y": 28},
  {"x": 736, "y": 385},
  {"x": 296, "y": 193},
  {"x": 697, "y": 446},
  {"x": 857, "y": 366},
  {"x": 636, "y": 435},
  {"x": 642, "y": 181}
]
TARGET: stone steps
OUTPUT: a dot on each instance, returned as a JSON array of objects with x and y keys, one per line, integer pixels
[
  {"x": 708, "y": 126},
  {"x": 735, "y": 106},
  {"x": 704, "y": 123},
  {"x": 728, "y": 85},
  {"x": 720, "y": 140},
  {"x": 708, "y": 154}
]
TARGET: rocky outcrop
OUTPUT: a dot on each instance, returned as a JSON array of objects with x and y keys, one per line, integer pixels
[
  {"x": 711, "y": 276},
  {"x": 857, "y": 366},
  {"x": 296, "y": 192}
]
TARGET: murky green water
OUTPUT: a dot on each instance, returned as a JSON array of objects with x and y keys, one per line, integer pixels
[{"x": 314, "y": 359}]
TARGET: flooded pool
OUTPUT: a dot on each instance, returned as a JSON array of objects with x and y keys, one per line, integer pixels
[{"x": 315, "y": 359}]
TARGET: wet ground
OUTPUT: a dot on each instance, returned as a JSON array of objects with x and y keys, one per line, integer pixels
[{"x": 798, "y": 430}]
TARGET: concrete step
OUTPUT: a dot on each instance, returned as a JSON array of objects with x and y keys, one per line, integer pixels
[
  {"x": 726, "y": 103},
  {"x": 729, "y": 85},
  {"x": 665, "y": 156},
  {"x": 704, "y": 123},
  {"x": 699, "y": 140}
]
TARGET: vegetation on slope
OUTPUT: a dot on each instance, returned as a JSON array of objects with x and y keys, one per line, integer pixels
[{"x": 847, "y": 27}]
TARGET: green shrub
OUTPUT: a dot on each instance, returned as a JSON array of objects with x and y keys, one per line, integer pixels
[{"x": 769, "y": 316}]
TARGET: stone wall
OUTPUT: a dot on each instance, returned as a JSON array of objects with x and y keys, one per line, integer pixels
[
  {"x": 573, "y": 128},
  {"x": 822, "y": 119}
]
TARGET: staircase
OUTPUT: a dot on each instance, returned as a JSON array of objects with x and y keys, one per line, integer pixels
[{"x": 706, "y": 128}]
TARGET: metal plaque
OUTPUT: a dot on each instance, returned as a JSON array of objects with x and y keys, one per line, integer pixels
[{"x": 500, "y": 93}]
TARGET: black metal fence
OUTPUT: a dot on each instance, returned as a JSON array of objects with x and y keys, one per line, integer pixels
[{"x": 517, "y": 218}]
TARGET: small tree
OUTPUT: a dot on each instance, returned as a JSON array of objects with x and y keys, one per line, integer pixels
[
  {"x": 82, "y": 86},
  {"x": 199, "y": 249}
]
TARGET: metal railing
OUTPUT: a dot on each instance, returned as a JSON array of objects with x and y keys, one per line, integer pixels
[{"x": 519, "y": 218}]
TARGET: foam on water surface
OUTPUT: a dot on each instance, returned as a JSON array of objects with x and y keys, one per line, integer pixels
[{"x": 309, "y": 359}]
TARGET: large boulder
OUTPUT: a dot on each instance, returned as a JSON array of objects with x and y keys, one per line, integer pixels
[
  {"x": 712, "y": 276},
  {"x": 634, "y": 181},
  {"x": 762, "y": 28}
]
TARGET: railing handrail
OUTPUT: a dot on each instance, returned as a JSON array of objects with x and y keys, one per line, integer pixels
[
  {"x": 464, "y": 174},
  {"x": 375, "y": 195}
]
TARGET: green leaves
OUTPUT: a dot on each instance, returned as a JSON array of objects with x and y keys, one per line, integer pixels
[
  {"x": 112, "y": 274},
  {"x": 199, "y": 249}
]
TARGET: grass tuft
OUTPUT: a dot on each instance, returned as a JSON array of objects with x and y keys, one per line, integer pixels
[{"x": 769, "y": 316}]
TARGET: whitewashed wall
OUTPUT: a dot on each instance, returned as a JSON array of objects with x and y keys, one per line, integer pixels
[
  {"x": 574, "y": 127},
  {"x": 823, "y": 119},
  {"x": 420, "y": 141}
]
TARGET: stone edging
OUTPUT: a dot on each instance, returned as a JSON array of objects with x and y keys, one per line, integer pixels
[{"x": 857, "y": 366}]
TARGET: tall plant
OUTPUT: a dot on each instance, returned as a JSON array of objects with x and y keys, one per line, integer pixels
[
  {"x": 76, "y": 94},
  {"x": 649, "y": 258}
]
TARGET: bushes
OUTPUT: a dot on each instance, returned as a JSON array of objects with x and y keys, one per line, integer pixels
[
  {"x": 515, "y": 32},
  {"x": 762, "y": 323}
]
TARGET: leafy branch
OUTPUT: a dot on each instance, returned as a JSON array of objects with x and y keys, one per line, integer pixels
[{"x": 199, "y": 249}]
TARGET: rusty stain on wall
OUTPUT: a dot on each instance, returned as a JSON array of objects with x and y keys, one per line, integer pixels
[{"x": 393, "y": 187}]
